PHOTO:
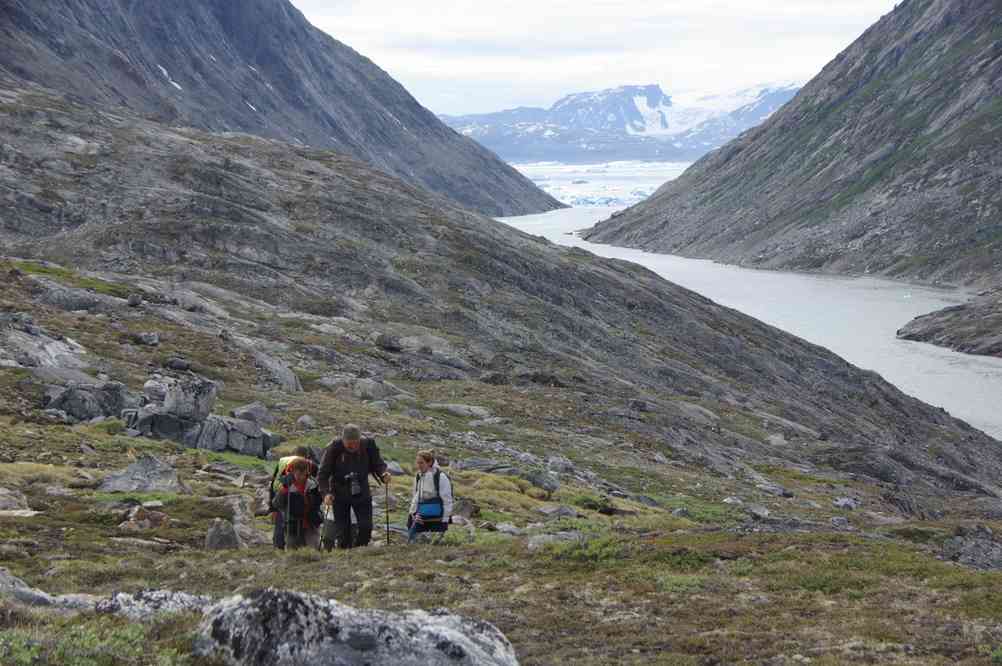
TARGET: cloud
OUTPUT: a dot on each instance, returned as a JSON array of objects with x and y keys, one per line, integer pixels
[{"x": 461, "y": 57}]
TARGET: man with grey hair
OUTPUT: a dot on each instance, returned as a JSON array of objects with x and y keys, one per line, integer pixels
[{"x": 344, "y": 478}]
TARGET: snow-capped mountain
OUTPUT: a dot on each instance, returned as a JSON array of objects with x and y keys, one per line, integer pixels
[{"x": 625, "y": 123}]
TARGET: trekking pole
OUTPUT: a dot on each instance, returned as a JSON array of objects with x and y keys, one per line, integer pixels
[{"x": 387, "y": 486}]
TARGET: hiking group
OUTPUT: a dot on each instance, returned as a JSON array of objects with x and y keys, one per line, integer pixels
[{"x": 329, "y": 503}]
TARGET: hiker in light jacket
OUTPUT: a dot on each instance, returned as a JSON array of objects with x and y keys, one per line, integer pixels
[{"x": 431, "y": 503}]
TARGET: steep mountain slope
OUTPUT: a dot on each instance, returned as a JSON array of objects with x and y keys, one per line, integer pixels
[
  {"x": 629, "y": 122},
  {"x": 255, "y": 66},
  {"x": 888, "y": 162},
  {"x": 341, "y": 247},
  {"x": 619, "y": 445}
]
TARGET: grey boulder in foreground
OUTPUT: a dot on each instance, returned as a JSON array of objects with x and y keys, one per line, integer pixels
[{"x": 277, "y": 628}]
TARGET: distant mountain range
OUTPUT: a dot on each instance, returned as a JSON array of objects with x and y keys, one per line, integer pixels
[
  {"x": 254, "y": 66},
  {"x": 625, "y": 123}
]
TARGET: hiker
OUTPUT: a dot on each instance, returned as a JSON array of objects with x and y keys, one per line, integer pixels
[
  {"x": 431, "y": 504},
  {"x": 344, "y": 477},
  {"x": 282, "y": 469},
  {"x": 298, "y": 500}
]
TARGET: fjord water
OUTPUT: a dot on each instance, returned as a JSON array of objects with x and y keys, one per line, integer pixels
[{"x": 854, "y": 317}]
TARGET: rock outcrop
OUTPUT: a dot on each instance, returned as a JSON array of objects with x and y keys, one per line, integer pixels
[
  {"x": 185, "y": 416},
  {"x": 84, "y": 402},
  {"x": 976, "y": 547},
  {"x": 259, "y": 68},
  {"x": 147, "y": 475},
  {"x": 279, "y": 628},
  {"x": 973, "y": 328}
]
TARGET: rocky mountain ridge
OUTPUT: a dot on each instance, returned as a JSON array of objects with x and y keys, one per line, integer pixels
[
  {"x": 886, "y": 163},
  {"x": 619, "y": 445},
  {"x": 253, "y": 217},
  {"x": 259, "y": 67},
  {"x": 624, "y": 123}
]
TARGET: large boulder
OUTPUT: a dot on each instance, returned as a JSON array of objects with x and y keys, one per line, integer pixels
[
  {"x": 191, "y": 399},
  {"x": 278, "y": 372},
  {"x": 547, "y": 481},
  {"x": 146, "y": 475},
  {"x": 84, "y": 402},
  {"x": 244, "y": 509},
  {"x": 153, "y": 421},
  {"x": 280, "y": 628},
  {"x": 220, "y": 433},
  {"x": 255, "y": 412},
  {"x": 222, "y": 535},
  {"x": 464, "y": 411},
  {"x": 371, "y": 389}
]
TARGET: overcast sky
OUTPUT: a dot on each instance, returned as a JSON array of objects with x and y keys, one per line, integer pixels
[{"x": 474, "y": 56}]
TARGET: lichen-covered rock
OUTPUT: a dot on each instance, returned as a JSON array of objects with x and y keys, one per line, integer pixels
[
  {"x": 146, "y": 475},
  {"x": 279, "y": 628},
  {"x": 191, "y": 399},
  {"x": 150, "y": 603}
]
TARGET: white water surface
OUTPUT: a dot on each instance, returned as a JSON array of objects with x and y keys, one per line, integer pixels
[
  {"x": 854, "y": 317},
  {"x": 619, "y": 184}
]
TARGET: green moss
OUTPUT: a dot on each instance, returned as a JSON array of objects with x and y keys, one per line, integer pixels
[
  {"x": 73, "y": 279},
  {"x": 97, "y": 640}
]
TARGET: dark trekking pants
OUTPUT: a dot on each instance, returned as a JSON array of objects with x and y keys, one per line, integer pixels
[
  {"x": 342, "y": 521},
  {"x": 278, "y": 533}
]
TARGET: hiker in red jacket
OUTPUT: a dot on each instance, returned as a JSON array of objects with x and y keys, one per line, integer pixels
[{"x": 298, "y": 499}]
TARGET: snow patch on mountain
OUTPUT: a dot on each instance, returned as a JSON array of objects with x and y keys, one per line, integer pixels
[{"x": 624, "y": 123}]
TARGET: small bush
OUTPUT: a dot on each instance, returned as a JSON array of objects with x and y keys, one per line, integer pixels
[
  {"x": 111, "y": 427},
  {"x": 592, "y": 503},
  {"x": 592, "y": 551}
]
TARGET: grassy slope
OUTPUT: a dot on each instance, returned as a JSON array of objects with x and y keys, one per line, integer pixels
[{"x": 646, "y": 587}]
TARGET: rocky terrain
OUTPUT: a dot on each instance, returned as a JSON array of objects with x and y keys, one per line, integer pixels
[
  {"x": 625, "y": 123},
  {"x": 886, "y": 163},
  {"x": 691, "y": 485},
  {"x": 972, "y": 328},
  {"x": 257, "y": 67}
]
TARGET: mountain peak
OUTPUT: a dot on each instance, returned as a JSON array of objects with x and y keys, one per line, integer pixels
[
  {"x": 623, "y": 123},
  {"x": 652, "y": 93}
]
